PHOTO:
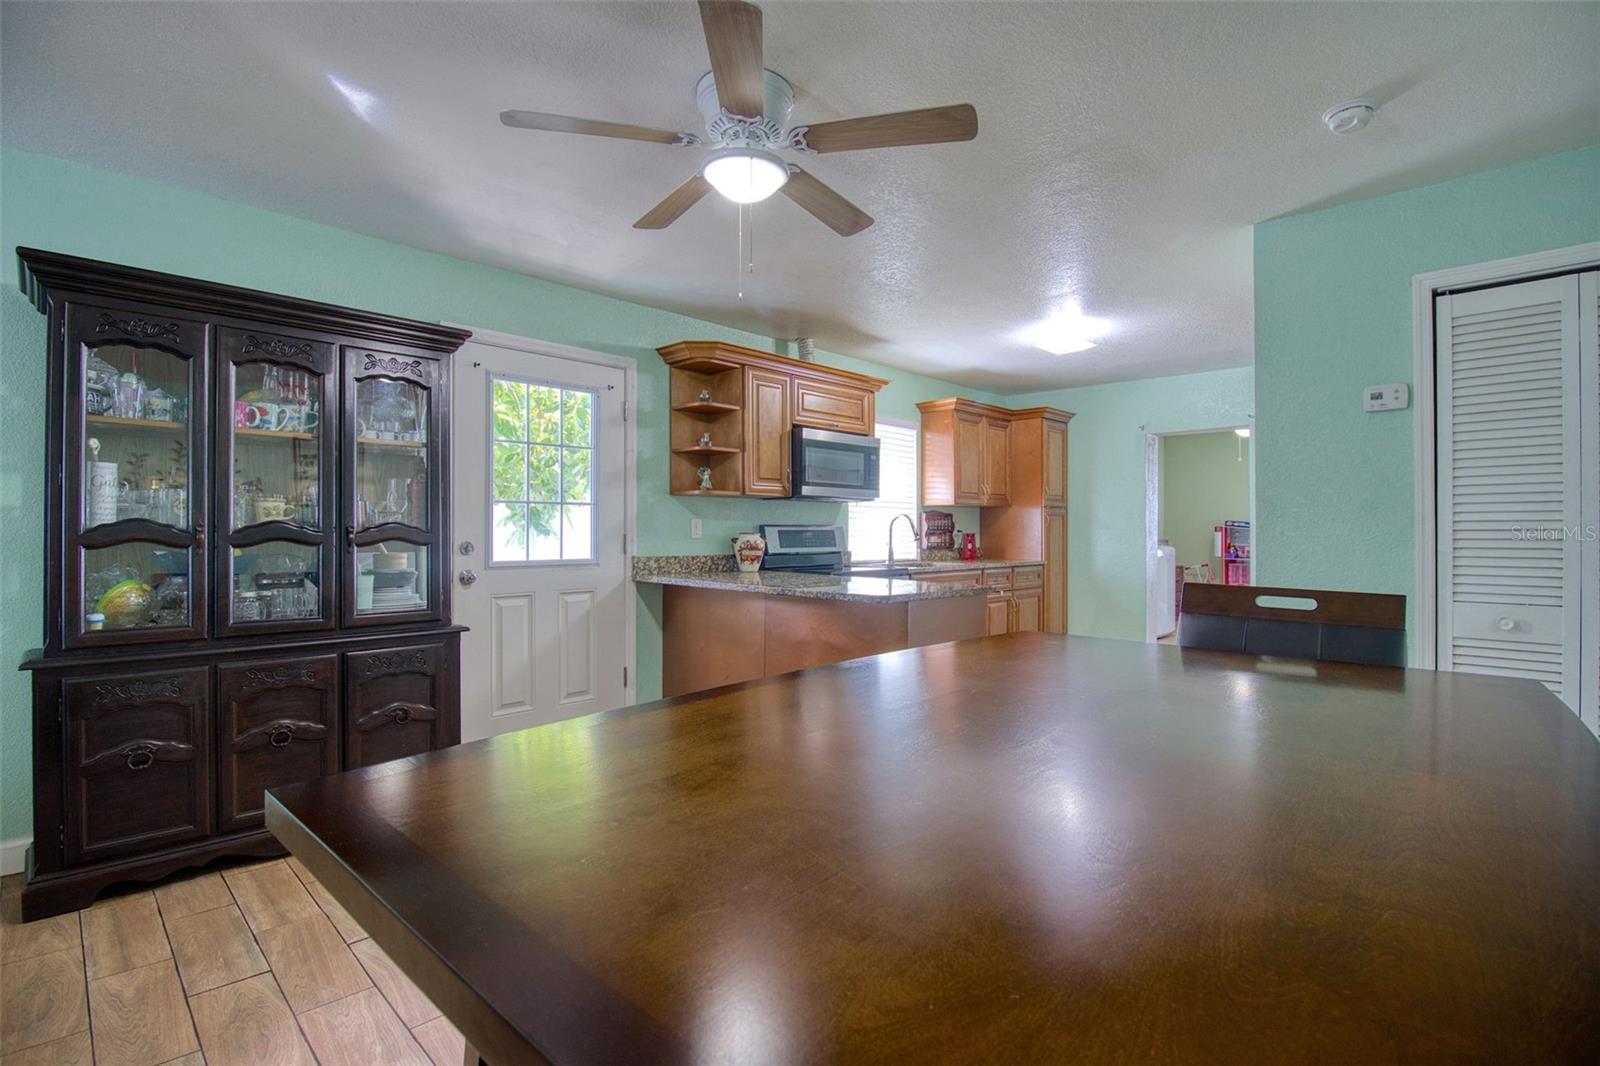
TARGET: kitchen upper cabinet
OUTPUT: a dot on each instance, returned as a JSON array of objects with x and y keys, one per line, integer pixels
[
  {"x": 733, "y": 409},
  {"x": 968, "y": 460},
  {"x": 966, "y": 454},
  {"x": 996, "y": 489},
  {"x": 827, "y": 405},
  {"x": 766, "y": 433},
  {"x": 1055, "y": 462}
]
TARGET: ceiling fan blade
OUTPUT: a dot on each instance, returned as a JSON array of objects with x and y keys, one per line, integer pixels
[
  {"x": 733, "y": 37},
  {"x": 931, "y": 125},
  {"x": 833, "y": 210},
  {"x": 677, "y": 202},
  {"x": 538, "y": 120}
]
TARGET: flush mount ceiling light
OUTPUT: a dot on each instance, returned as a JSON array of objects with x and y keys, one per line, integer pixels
[
  {"x": 745, "y": 175},
  {"x": 1349, "y": 116},
  {"x": 1065, "y": 332}
]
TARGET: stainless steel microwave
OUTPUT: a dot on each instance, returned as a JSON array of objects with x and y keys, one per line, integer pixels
[{"x": 828, "y": 465}]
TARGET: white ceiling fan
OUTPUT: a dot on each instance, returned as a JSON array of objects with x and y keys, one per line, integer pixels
[{"x": 746, "y": 109}]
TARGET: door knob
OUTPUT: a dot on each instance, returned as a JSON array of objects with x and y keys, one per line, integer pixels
[{"x": 467, "y": 577}]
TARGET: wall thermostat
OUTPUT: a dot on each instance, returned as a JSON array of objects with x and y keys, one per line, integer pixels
[{"x": 1386, "y": 397}]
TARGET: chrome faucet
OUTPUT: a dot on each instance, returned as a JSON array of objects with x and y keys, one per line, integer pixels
[{"x": 916, "y": 538}]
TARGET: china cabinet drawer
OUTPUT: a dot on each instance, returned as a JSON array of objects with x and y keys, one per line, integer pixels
[
  {"x": 829, "y": 406},
  {"x": 138, "y": 761},
  {"x": 279, "y": 723},
  {"x": 399, "y": 701}
]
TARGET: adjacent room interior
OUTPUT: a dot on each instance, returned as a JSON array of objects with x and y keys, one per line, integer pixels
[{"x": 650, "y": 532}]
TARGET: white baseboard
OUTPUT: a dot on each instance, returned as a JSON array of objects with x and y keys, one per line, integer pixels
[{"x": 13, "y": 854}]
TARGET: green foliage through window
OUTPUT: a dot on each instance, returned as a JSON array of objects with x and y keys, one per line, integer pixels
[{"x": 541, "y": 472}]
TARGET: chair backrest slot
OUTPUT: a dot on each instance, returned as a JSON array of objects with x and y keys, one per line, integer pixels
[{"x": 1352, "y": 627}]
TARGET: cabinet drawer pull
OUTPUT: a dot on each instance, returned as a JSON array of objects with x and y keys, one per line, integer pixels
[
  {"x": 400, "y": 715},
  {"x": 141, "y": 758},
  {"x": 280, "y": 737}
]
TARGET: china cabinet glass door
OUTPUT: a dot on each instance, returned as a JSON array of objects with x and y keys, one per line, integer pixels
[
  {"x": 393, "y": 410},
  {"x": 135, "y": 477},
  {"x": 275, "y": 473}
]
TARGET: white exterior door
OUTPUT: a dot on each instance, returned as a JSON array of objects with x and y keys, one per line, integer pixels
[
  {"x": 540, "y": 493},
  {"x": 1511, "y": 484}
]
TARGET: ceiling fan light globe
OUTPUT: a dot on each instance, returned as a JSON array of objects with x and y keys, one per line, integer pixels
[{"x": 745, "y": 175}]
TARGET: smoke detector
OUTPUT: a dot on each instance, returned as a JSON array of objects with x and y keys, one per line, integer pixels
[{"x": 1349, "y": 116}]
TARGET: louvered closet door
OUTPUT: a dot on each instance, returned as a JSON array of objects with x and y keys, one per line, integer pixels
[{"x": 1509, "y": 482}]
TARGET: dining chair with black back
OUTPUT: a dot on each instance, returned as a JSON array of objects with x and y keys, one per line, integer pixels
[{"x": 1346, "y": 627}]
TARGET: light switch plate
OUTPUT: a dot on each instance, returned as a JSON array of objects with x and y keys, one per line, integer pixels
[
  {"x": 1386, "y": 397},
  {"x": 694, "y": 529}
]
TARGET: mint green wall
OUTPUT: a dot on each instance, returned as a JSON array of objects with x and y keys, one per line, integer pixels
[
  {"x": 64, "y": 207},
  {"x": 1106, "y": 482},
  {"x": 1205, "y": 481},
  {"x": 1333, "y": 314}
]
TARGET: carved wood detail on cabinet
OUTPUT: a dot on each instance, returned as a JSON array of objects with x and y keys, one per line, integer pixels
[
  {"x": 138, "y": 764},
  {"x": 278, "y": 724}
]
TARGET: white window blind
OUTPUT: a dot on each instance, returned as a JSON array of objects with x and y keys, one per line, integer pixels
[{"x": 897, "y": 494}]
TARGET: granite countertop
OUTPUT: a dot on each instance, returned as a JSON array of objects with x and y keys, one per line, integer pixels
[
  {"x": 817, "y": 586},
  {"x": 950, "y": 566}
]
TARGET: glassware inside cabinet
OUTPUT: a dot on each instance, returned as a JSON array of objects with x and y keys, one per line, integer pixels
[
  {"x": 138, "y": 585},
  {"x": 391, "y": 453},
  {"x": 135, "y": 436},
  {"x": 276, "y": 420},
  {"x": 391, "y": 576},
  {"x": 275, "y": 582}
]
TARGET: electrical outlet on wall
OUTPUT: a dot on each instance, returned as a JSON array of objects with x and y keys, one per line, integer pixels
[{"x": 694, "y": 529}]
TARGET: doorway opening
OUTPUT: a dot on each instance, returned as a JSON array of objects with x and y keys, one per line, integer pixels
[{"x": 1199, "y": 517}]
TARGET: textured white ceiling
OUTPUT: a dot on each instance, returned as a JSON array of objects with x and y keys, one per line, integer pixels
[{"x": 1124, "y": 150}]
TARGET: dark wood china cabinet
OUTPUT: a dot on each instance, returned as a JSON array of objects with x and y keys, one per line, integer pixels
[{"x": 245, "y": 564}]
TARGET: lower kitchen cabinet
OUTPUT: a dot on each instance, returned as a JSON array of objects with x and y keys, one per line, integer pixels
[
  {"x": 279, "y": 724},
  {"x": 138, "y": 766},
  {"x": 999, "y": 614},
  {"x": 146, "y": 764},
  {"x": 1025, "y": 610},
  {"x": 398, "y": 702}
]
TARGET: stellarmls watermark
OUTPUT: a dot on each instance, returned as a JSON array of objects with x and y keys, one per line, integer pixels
[{"x": 1586, "y": 533}]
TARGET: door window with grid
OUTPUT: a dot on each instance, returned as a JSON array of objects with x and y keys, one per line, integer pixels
[{"x": 542, "y": 510}]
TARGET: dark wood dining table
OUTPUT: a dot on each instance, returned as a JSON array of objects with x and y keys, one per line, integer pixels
[{"x": 1019, "y": 849}]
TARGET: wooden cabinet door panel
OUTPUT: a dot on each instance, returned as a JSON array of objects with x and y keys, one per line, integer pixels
[
  {"x": 829, "y": 406},
  {"x": 1055, "y": 571},
  {"x": 766, "y": 433},
  {"x": 399, "y": 701},
  {"x": 969, "y": 459},
  {"x": 138, "y": 761},
  {"x": 1055, "y": 464},
  {"x": 999, "y": 618},
  {"x": 278, "y": 724},
  {"x": 1025, "y": 610},
  {"x": 996, "y": 462}
]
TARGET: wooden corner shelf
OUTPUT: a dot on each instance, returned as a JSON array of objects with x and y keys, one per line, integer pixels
[
  {"x": 706, "y": 407},
  {"x": 706, "y": 451},
  {"x": 707, "y": 492}
]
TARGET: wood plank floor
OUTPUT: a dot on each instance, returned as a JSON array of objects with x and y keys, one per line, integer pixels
[{"x": 249, "y": 965}]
